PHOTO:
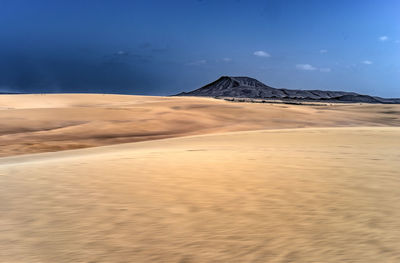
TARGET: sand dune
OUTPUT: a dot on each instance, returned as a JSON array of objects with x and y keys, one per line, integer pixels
[
  {"x": 297, "y": 195},
  {"x": 227, "y": 182},
  {"x": 42, "y": 123}
]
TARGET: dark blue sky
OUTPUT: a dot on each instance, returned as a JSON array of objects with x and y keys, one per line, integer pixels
[{"x": 164, "y": 47}]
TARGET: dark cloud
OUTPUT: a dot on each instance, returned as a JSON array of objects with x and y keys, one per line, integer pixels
[{"x": 58, "y": 72}]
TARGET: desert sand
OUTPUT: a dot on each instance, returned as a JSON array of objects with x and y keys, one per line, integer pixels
[
  {"x": 239, "y": 182},
  {"x": 53, "y": 122}
]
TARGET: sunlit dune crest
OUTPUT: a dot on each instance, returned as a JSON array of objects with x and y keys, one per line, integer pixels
[{"x": 42, "y": 123}]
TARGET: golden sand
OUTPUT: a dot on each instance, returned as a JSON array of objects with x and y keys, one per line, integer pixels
[
  {"x": 249, "y": 182},
  {"x": 297, "y": 195},
  {"x": 54, "y": 122}
]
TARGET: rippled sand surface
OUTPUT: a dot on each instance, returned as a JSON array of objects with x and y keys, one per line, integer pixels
[
  {"x": 290, "y": 195},
  {"x": 54, "y": 122}
]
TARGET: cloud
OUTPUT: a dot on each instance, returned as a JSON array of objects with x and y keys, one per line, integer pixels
[
  {"x": 77, "y": 72},
  {"x": 307, "y": 67},
  {"x": 197, "y": 62},
  {"x": 121, "y": 53},
  {"x": 325, "y": 69},
  {"x": 261, "y": 53},
  {"x": 383, "y": 38},
  {"x": 122, "y": 56},
  {"x": 226, "y": 59},
  {"x": 323, "y": 51},
  {"x": 367, "y": 62}
]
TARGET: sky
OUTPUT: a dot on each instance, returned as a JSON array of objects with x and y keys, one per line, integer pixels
[{"x": 164, "y": 47}]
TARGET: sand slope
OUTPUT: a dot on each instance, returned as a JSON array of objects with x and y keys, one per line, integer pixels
[
  {"x": 301, "y": 195},
  {"x": 53, "y": 122}
]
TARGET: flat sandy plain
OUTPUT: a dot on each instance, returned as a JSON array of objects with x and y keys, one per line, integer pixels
[{"x": 224, "y": 182}]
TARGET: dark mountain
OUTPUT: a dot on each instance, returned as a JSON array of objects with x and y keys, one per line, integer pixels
[{"x": 245, "y": 87}]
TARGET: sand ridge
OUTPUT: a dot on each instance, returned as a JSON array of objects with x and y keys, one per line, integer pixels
[{"x": 54, "y": 122}]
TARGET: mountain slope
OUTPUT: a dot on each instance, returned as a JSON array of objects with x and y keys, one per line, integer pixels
[{"x": 245, "y": 87}]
